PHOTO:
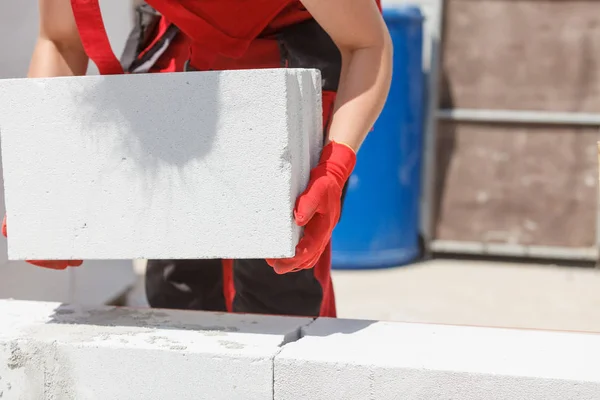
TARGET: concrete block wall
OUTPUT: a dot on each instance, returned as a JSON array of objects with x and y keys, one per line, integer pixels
[
  {"x": 358, "y": 359},
  {"x": 100, "y": 281},
  {"x": 56, "y": 351},
  {"x": 209, "y": 169}
]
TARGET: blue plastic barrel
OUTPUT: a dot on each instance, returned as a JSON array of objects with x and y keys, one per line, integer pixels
[{"x": 379, "y": 227}]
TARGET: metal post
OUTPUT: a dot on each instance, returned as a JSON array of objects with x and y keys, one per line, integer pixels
[
  {"x": 429, "y": 164},
  {"x": 579, "y": 254},
  {"x": 598, "y": 212},
  {"x": 519, "y": 117}
]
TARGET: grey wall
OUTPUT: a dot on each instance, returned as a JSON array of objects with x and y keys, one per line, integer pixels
[{"x": 19, "y": 28}]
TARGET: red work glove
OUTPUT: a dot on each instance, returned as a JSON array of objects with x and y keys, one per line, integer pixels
[
  {"x": 52, "y": 264},
  {"x": 318, "y": 208}
]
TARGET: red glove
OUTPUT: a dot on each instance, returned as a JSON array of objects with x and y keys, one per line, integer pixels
[
  {"x": 52, "y": 264},
  {"x": 318, "y": 208}
]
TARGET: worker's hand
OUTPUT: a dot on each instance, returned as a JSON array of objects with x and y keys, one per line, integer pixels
[
  {"x": 52, "y": 264},
  {"x": 318, "y": 208}
]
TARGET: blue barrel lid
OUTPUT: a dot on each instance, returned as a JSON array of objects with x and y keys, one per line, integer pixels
[{"x": 403, "y": 12}]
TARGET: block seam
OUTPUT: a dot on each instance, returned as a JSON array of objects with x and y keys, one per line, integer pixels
[{"x": 290, "y": 337}]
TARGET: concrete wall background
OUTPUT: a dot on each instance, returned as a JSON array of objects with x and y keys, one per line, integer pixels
[
  {"x": 488, "y": 174},
  {"x": 98, "y": 282}
]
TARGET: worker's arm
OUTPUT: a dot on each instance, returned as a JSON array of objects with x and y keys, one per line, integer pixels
[
  {"x": 58, "y": 50},
  {"x": 359, "y": 31}
]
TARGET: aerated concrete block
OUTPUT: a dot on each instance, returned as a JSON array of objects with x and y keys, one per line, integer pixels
[
  {"x": 181, "y": 165},
  {"x": 117, "y": 353},
  {"x": 350, "y": 359}
]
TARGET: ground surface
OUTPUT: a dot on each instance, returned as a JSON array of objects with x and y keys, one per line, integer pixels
[{"x": 467, "y": 292}]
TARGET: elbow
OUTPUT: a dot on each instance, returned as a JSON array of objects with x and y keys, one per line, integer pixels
[
  {"x": 52, "y": 57},
  {"x": 375, "y": 61},
  {"x": 385, "y": 54},
  {"x": 64, "y": 45},
  {"x": 386, "y": 49},
  {"x": 64, "y": 37},
  {"x": 379, "y": 49},
  {"x": 388, "y": 55}
]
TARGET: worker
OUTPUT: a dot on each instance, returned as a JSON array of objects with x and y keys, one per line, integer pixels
[{"x": 347, "y": 40}]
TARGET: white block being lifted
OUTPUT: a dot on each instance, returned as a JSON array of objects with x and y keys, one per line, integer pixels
[{"x": 179, "y": 165}]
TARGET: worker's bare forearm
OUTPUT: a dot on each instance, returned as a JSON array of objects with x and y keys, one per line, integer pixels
[
  {"x": 359, "y": 31},
  {"x": 364, "y": 85},
  {"x": 51, "y": 58}
]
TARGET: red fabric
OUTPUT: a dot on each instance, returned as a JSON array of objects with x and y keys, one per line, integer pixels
[
  {"x": 88, "y": 18},
  {"x": 219, "y": 27},
  {"x": 175, "y": 57},
  {"x": 293, "y": 13},
  {"x": 218, "y": 31},
  {"x": 223, "y": 31},
  {"x": 262, "y": 53},
  {"x": 322, "y": 271},
  {"x": 228, "y": 286}
]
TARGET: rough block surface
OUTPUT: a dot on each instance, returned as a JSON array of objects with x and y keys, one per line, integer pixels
[
  {"x": 369, "y": 360},
  {"x": 182, "y": 165},
  {"x": 54, "y": 351}
]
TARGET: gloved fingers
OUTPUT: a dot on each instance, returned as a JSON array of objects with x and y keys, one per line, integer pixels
[
  {"x": 315, "y": 233},
  {"x": 311, "y": 201},
  {"x": 56, "y": 264},
  {"x": 309, "y": 247},
  {"x": 285, "y": 265},
  {"x": 4, "y": 230},
  {"x": 282, "y": 267},
  {"x": 307, "y": 263},
  {"x": 51, "y": 264},
  {"x": 310, "y": 263},
  {"x": 286, "y": 269}
]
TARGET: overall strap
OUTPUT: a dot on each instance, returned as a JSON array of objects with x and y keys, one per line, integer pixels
[
  {"x": 150, "y": 55},
  {"x": 88, "y": 18}
]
